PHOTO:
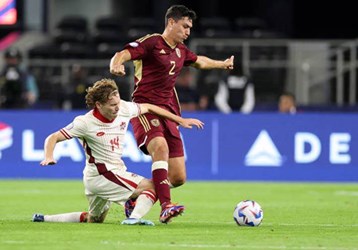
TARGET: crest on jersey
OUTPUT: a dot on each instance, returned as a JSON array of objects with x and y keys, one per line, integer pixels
[
  {"x": 177, "y": 50},
  {"x": 122, "y": 126},
  {"x": 155, "y": 122}
]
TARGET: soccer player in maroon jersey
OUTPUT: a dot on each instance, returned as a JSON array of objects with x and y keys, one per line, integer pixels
[{"x": 158, "y": 60}]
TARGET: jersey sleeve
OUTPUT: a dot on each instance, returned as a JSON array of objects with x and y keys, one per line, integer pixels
[
  {"x": 190, "y": 57},
  {"x": 140, "y": 48},
  {"x": 77, "y": 128},
  {"x": 129, "y": 109}
]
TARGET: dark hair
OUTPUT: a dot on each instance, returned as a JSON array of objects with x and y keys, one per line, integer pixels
[
  {"x": 177, "y": 12},
  {"x": 290, "y": 95}
]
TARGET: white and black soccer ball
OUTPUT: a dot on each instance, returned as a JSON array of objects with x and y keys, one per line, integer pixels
[{"x": 248, "y": 213}]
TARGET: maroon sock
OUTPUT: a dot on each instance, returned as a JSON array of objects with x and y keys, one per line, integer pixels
[{"x": 161, "y": 184}]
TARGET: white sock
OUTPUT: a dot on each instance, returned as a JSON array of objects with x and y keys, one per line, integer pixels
[
  {"x": 144, "y": 203},
  {"x": 160, "y": 165},
  {"x": 67, "y": 217}
]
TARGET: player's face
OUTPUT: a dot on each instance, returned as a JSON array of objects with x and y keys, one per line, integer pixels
[
  {"x": 181, "y": 29},
  {"x": 110, "y": 108}
]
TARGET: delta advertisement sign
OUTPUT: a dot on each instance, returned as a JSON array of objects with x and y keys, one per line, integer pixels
[{"x": 256, "y": 147}]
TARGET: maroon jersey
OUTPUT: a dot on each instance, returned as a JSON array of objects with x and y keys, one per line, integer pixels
[{"x": 156, "y": 68}]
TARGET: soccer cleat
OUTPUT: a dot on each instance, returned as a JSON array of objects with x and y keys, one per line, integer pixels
[
  {"x": 38, "y": 218},
  {"x": 129, "y": 206},
  {"x": 170, "y": 211},
  {"x": 132, "y": 221}
]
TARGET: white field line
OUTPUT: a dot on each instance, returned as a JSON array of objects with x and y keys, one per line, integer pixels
[
  {"x": 346, "y": 193},
  {"x": 13, "y": 242},
  {"x": 319, "y": 225}
]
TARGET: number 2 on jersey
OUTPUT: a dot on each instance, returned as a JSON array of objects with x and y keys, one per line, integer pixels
[{"x": 171, "y": 71}]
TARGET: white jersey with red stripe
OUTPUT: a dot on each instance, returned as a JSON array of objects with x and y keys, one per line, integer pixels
[{"x": 103, "y": 140}]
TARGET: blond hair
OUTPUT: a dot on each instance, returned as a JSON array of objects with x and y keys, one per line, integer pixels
[{"x": 101, "y": 91}]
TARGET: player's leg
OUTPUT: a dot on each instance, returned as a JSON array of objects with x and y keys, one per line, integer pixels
[
  {"x": 158, "y": 149},
  {"x": 98, "y": 209},
  {"x": 149, "y": 131},
  {"x": 145, "y": 198},
  {"x": 96, "y": 189},
  {"x": 177, "y": 171},
  {"x": 65, "y": 217},
  {"x": 143, "y": 191},
  {"x": 118, "y": 186}
]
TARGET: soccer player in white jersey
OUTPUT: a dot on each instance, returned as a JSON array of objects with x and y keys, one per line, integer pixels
[{"x": 106, "y": 179}]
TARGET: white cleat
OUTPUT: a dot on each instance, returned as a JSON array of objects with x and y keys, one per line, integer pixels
[{"x": 132, "y": 221}]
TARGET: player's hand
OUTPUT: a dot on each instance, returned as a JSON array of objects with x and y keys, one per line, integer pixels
[
  {"x": 229, "y": 63},
  {"x": 49, "y": 161},
  {"x": 190, "y": 122},
  {"x": 118, "y": 70}
]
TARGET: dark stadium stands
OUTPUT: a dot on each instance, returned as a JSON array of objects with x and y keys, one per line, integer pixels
[{"x": 74, "y": 41}]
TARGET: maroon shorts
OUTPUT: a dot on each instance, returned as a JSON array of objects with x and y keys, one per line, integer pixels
[{"x": 148, "y": 126}]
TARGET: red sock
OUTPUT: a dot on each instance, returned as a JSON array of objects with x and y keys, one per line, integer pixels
[
  {"x": 161, "y": 184},
  {"x": 83, "y": 217}
]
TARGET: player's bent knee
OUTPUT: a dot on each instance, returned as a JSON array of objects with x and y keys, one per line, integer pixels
[
  {"x": 176, "y": 182},
  {"x": 145, "y": 184}
]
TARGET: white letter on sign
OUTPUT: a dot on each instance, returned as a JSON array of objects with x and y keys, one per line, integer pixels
[
  {"x": 303, "y": 138},
  {"x": 339, "y": 145}
]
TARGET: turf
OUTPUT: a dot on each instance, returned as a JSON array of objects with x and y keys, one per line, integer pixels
[{"x": 296, "y": 216}]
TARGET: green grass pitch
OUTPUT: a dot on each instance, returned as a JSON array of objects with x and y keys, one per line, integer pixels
[{"x": 296, "y": 216}]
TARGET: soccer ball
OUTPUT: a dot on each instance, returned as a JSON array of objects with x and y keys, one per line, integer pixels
[{"x": 248, "y": 213}]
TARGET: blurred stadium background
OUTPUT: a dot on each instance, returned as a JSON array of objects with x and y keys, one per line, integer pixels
[{"x": 295, "y": 46}]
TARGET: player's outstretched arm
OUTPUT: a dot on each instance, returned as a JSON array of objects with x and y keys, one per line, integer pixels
[
  {"x": 116, "y": 66},
  {"x": 184, "y": 122},
  {"x": 204, "y": 62},
  {"x": 49, "y": 147}
]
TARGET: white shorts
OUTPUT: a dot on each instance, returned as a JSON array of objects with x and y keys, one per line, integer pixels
[{"x": 110, "y": 187}]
